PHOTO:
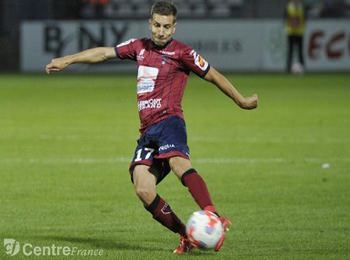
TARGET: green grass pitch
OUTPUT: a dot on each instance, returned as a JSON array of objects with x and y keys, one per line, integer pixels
[{"x": 281, "y": 172}]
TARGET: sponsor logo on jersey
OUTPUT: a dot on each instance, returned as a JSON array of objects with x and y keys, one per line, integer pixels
[
  {"x": 149, "y": 104},
  {"x": 146, "y": 79},
  {"x": 141, "y": 56},
  {"x": 199, "y": 61},
  {"x": 169, "y": 53}
]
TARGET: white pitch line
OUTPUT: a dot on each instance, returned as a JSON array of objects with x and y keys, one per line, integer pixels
[
  {"x": 127, "y": 160},
  {"x": 82, "y": 160},
  {"x": 238, "y": 160},
  {"x": 271, "y": 140},
  {"x": 322, "y": 160},
  {"x": 113, "y": 160}
]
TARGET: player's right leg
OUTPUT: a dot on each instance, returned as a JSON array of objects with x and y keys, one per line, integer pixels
[
  {"x": 144, "y": 184},
  {"x": 145, "y": 188}
]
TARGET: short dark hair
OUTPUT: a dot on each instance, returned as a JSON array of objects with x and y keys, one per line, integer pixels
[{"x": 164, "y": 8}]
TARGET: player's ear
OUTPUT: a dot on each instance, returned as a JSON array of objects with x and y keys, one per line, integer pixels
[
  {"x": 150, "y": 23},
  {"x": 174, "y": 28}
]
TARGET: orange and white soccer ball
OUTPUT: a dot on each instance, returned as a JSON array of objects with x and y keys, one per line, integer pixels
[{"x": 204, "y": 229}]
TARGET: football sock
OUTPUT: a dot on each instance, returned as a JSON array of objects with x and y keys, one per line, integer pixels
[
  {"x": 198, "y": 189},
  {"x": 162, "y": 212},
  {"x": 212, "y": 209}
]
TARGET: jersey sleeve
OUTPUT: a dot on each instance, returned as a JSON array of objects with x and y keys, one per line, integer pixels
[
  {"x": 195, "y": 62},
  {"x": 126, "y": 50}
]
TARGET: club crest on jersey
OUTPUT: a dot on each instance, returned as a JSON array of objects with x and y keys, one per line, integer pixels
[
  {"x": 199, "y": 61},
  {"x": 164, "y": 59}
]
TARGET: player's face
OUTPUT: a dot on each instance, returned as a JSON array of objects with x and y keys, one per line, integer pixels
[{"x": 162, "y": 28}]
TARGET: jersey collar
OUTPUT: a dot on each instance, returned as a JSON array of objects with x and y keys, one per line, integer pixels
[{"x": 161, "y": 47}]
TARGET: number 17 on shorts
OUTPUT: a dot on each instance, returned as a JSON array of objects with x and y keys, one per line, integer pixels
[{"x": 144, "y": 154}]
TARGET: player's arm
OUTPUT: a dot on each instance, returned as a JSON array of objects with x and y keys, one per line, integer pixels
[
  {"x": 228, "y": 89},
  {"x": 93, "y": 55}
]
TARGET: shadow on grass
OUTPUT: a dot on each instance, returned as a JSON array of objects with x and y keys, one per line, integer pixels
[{"x": 104, "y": 243}]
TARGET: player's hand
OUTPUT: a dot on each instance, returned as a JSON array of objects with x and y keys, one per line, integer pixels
[
  {"x": 56, "y": 65},
  {"x": 250, "y": 102}
]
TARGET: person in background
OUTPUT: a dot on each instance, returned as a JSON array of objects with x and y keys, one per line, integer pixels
[{"x": 295, "y": 28}]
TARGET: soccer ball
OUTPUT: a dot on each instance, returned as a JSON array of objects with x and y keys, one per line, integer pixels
[{"x": 204, "y": 229}]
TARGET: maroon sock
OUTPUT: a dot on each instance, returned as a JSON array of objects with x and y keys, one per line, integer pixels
[
  {"x": 198, "y": 189},
  {"x": 162, "y": 212}
]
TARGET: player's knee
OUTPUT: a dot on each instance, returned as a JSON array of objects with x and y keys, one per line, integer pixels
[
  {"x": 145, "y": 194},
  {"x": 179, "y": 165},
  {"x": 141, "y": 192},
  {"x": 144, "y": 184}
]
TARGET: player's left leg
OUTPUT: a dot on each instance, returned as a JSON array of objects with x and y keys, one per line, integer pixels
[
  {"x": 197, "y": 187},
  {"x": 193, "y": 181},
  {"x": 173, "y": 147}
]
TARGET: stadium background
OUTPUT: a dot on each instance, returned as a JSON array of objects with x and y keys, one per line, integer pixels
[
  {"x": 280, "y": 172},
  {"x": 222, "y": 30}
]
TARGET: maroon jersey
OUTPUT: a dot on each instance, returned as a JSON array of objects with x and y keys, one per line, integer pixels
[{"x": 162, "y": 76}]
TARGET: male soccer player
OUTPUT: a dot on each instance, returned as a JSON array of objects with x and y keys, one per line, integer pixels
[{"x": 164, "y": 65}]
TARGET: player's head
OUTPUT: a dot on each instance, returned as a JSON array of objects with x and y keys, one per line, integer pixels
[{"x": 162, "y": 22}]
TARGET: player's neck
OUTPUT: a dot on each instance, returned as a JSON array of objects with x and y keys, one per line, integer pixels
[{"x": 163, "y": 46}]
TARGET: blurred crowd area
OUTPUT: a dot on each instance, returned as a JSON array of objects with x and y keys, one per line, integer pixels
[
  {"x": 194, "y": 9},
  {"x": 14, "y": 12}
]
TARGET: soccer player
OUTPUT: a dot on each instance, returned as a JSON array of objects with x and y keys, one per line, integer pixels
[{"x": 164, "y": 65}]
